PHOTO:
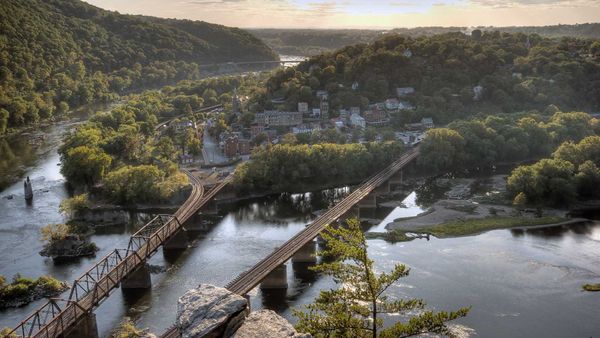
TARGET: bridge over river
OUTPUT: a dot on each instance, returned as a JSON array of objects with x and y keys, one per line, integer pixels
[
  {"x": 271, "y": 270},
  {"x": 126, "y": 268}
]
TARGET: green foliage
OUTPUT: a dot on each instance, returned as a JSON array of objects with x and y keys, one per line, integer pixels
[
  {"x": 355, "y": 308},
  {"x": 22, "y": 287},
  {"x": 85, "y": 165},
  {"x": 127, "y": 329},
  {"x": 573, "y": 173},
  {"x": 300, "y": 167},
  {"x": 76, "y": 204},
  {"x": 57, "y": 55},
  {"x": 444, "y": 69},
  {"x": 483, "y": 142},
  {"x": 143, "y": 183}
]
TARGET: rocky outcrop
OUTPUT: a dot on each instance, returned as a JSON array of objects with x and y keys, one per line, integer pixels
[
  {"x": 69, "y": 247},
  {"x": 210, "y": 311},
  {"x": 267, "y": 323}
]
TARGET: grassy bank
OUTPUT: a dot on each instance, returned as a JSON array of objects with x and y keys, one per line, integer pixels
[{"x": 474, "y": 226}]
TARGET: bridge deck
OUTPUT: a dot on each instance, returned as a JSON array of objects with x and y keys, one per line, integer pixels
[
  {"x": 95, "y": 285},
  {"x": 249, "y": 279}
]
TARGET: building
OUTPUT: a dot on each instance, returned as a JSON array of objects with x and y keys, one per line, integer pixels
[
  {"x": 338, "y": 123},
  {"x": 357, "y": 121},
  {"x": 316, "y": 113},
  {"x": 392, "y": 104},
  {"x": 355, "y": 85},
  {"x": 324, "y": 109},
  {"x": 231, "y": 146},
  {"x": 344, "y": 115},
  {"x": 236, "y": 103},
  {"x": 275, "y": 118},
  {"x": 306, "y": 128},
  {"x": 427, "y": 122},
  {"x": 256, "y": 129},
  {"x": 322, "y": 95},
  {"x": 376, "y": 117},
  {"x": 403, "y": 105},
  {"x": 244, "y": 147},
  {"x": 303, "y": 107},
  {"x": 477, "y": 93},
  {"x": 183, "y": 125},
  {"x": 354, "y": 110},
  {"x": 404, "y": 91}
]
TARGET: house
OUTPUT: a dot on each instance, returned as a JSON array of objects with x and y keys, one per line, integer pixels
[
  {"x": 404, "y": 91},
  {"x": 231, "y": 146},
  {"x": 324, "y": 109},
  {"x": 322, "y": 95},
  {"x": 427, "y": 122},
  {"x": 256, "y": 129},
  {"x": 376, "y": 117},
  {"x": 392, "y": 104},
  {"x": 306, "y": 129},
  {"x": 303, "y": 107},
  {"x": 477, "y": 93},
  {"x": 403, "y": 105},
  {"x": 344, "y": 114},
  {"x": 276, "y": 118},
  {"x": 183, "y": 125},
  {"x": 338, "y": 123},
  {"x": 354, "y": 110},
  {"x": 244, "y": 147},
  {"x": 316, "y": 112},
  {"x": 357, "y": 121}
]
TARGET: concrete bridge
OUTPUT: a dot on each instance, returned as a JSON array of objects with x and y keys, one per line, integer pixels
[
  {"x": 271, "y": 272},
  {"x": 127, "y": 268}
]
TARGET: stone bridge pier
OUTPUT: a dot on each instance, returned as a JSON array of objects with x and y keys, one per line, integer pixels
[
  {"x": 138, "y": 279},
  {"x": 85, "y": 327},
  {"x": 276, "y": 279}
]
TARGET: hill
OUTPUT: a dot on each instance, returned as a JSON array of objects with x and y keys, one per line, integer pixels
[
  {"x": 60, "y": 54},
  {"x": 454, "y": 75},
  {"x": 315, "y": 41}
]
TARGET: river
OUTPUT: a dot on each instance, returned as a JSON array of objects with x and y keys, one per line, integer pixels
[{"x": 519, "y": 283}]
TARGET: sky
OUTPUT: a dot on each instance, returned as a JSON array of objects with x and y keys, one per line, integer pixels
[{"x": 368, "y": 14}]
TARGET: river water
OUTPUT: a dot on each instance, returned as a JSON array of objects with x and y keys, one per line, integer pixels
[{"x": 519, "y": 283}]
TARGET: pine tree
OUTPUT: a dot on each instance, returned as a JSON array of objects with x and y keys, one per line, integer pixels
[{"x": 354, "y": 309}]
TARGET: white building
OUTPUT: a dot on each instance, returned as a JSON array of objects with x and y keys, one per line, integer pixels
[
  {"x": 404, "y": 91},
  {"x": 392, "y": 104},
  {"x": 357, "y": 121},
  {"x": 303, "y": 107},
  {"x": 354, "y": 110}
]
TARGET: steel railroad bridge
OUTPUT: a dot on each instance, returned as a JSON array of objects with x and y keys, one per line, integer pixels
[
  {"x": 271, "y": 270},
  {"x": 126, "y": 268}
]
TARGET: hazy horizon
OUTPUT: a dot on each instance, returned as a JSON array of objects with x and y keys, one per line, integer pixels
[{"x": 356, "y": 14}]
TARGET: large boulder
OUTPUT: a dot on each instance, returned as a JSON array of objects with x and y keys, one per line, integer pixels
[
  {"x": 209, "y": 311},
  {"x": 266, "y": 323}
]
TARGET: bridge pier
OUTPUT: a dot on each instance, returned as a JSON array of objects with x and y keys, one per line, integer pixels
[
  {"x": 138, "y": 279},
  {"x": 85, "y": 327},
  {"x": 177, "y": 242},
  {"x": 369, "y": 201},
  {"x": 306, "y": 254},
  {"x": 276, "y": 279}
]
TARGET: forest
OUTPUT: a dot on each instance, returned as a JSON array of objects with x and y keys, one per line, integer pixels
[
  {"x": 308, "y": 42},
  {"x": 484, "y": 142},
  {"x": 301, "y": 167},
  {"x": 515, "y": 72},
  {"x": 57, "y": 55}
]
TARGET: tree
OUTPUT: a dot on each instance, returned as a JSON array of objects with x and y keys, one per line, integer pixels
[
  {"x": 3, "y": 120},
  {"x": 442, "y": 150},
  {"x": 354, "y": 309},
  {"x": 85, "y": 165}
]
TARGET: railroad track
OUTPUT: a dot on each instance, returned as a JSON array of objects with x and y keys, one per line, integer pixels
[
  {"x": 249, "y": 279},
  {"x": 94, "y": 286}
]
